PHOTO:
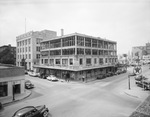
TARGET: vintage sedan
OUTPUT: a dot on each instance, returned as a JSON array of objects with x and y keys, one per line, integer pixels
[
  {"x": 31, "y": 111},
  {"x": 52, "y": 78},
  {"x": 28, "y": 84}
]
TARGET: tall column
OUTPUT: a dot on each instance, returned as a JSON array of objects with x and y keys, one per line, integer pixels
[{"x": 75, "y": 44}]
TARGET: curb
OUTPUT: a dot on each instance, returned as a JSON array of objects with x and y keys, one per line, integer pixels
[
  {"x": 131, "y": 95},
  {"x": 6, "y": 104}
]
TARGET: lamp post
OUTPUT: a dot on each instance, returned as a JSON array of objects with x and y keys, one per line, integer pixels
[
  {"x": 13, "y": 90},
  {"x": 129, "y": 81}
]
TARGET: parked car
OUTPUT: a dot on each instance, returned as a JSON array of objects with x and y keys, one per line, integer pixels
[
  {"x": 109, "y": 74},
  {"x": 118, "y": 72},
  {"x": 31, "y": 111},
  {"x": 139, "y": 79},
  {"x": 146, "y": 84},
  {"x": 28, "y": 84},
  {"x": 52, "y": 78},
  {"x": 34, "y": 74}
]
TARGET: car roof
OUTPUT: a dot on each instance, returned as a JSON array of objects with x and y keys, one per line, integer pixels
[{"x": 24, "y": 110}]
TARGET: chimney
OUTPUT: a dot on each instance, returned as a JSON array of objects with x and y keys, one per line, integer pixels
[{"x": 62, "y": 32}]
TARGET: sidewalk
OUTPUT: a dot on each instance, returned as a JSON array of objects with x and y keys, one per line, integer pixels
[{"x": 18, "y": 97}]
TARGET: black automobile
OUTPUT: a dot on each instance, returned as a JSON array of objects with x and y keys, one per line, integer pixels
[
  {"x": 28, "y": 84},
  {"x": 31, "y": 111},
  {"x": 139, "y": 80}
]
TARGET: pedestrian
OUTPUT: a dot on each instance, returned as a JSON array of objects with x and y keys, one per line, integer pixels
[
  {"x": 68, "y": 76},
  {"x": 83, "y": 78}
]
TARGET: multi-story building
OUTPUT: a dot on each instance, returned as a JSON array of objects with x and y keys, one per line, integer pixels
[
  {"x": 148, "y": 48},
  {"x": 28, "y": 47},
  {"x": 78, "y": 54}
]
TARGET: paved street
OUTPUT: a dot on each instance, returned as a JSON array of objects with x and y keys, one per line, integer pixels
[{"x": 105, "y": 98}]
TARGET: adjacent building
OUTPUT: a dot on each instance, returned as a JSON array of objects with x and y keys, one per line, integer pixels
[
  {"x": 11, "y": 81},
  {"x": 28, "y": 47},
  {"x": 79, "y": 55},
  {"x": 141, "y": 52}
]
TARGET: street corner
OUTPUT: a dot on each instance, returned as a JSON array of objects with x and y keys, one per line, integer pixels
[
  {"x": 136, "y": 93},
  {"x": 18, "y": 97}
]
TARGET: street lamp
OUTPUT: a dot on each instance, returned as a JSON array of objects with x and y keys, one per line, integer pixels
[
  {"x": 13, "y": 90},
  {"x": 129, "y": 81}
]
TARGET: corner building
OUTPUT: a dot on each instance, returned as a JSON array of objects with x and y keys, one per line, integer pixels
[{"x": 79, "y": 55}]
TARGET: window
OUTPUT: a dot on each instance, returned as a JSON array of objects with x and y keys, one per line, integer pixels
[
  {"x": 80, "y": 51},
  {"x": 3, "y": 89},
  {"x": 88, "y": 61},
  {"x": 81, "y": 61},
  {"x": 57, "y": 61},
  {"x": 68, "y": 41},
  {"x": 105, "y": 60},
  {"x": 42, "y": 61},
  {"x": 26, "y": 49},
  {"x": 87, "y": 42},
  {"x": 71, "y": 61},
  {"x": 55, "y": 52},
  {"x": 94, "y": 52},
  {"x": 37, "y": 56},
  {"x": 64, "y": 61},
  {"x": 38, "y": 40},
  {"x": 46, "y": 61},
  {"x": 55, "y": 43},
  {"x": 25, "y": 42},
  {"x": 29, "y": 49},
  {"x": 26, "y": 56},
  {"x": 29, "y": 56},
  {"x": 88, "y": 51},
  {"x": 70, "y": 51},
  {"x": 94, "y": 43},
  {"x": 51, "y": 61},
  {"x": 100, "y": 60},
  {"x": 44, "y": 53},
  {"x": 17, "y": 44},
  {"x": 95, "y": 60},
  {"x": 29, "y": 41},
  {"x": 80, "y": 41},
  {"x": 38, "y": 49}
]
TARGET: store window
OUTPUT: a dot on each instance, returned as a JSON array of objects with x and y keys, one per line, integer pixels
[{"x": 3, "y": 89}]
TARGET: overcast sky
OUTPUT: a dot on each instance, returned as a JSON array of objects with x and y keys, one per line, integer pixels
[{"x": 124, "y": 21}]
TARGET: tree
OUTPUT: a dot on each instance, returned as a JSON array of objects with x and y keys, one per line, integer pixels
[{"x": 7, "y": 57}]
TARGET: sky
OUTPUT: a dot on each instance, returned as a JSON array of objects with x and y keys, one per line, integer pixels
[{"x": 125, "y": 21}]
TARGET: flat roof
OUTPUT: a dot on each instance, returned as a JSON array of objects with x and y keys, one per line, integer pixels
[{"x": 79, "y": 34}]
